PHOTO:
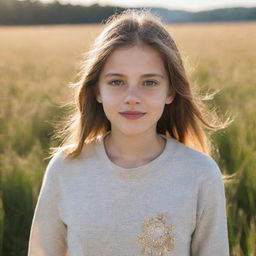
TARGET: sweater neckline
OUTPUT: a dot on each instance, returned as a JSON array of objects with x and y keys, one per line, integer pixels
[{"x": 154, "y": 165}]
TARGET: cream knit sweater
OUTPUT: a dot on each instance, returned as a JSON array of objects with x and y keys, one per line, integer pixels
[{"x": 173, "y": 205}]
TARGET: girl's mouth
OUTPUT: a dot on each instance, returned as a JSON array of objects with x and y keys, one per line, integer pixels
[{"x": 132, "y": 115}]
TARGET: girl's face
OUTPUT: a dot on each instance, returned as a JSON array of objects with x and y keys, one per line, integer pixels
[{"x": 134, "y": 79}]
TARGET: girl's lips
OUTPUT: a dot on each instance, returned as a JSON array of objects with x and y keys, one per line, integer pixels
[{"x": 129, "y": 115}]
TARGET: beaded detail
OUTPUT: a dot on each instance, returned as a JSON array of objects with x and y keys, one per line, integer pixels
[{"x": 157, "y": 237}]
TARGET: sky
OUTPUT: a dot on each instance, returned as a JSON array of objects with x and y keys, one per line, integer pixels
[{"x": 189, "y": 5}]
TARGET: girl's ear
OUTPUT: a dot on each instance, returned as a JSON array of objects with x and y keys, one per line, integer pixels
[
  {"x": 169, "y": 98},
  {"x": 97, "y": 93},
  {"x": 98, "y": 98}
]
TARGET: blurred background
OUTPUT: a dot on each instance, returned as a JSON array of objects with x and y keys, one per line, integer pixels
[{"x": 41, "y": 44}]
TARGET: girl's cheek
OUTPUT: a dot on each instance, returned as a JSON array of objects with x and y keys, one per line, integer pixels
[{"x": 113, "y": 92}]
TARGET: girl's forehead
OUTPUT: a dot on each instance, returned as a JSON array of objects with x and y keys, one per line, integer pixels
[
  {"x": 133, "y": 51},
  {"x": 139, "y": 57}
]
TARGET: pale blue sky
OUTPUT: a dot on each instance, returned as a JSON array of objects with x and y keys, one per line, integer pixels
[{"x": 190, "y": 5}]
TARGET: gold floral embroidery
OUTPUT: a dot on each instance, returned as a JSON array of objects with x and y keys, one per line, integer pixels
[{"x": 157, "y": 237}]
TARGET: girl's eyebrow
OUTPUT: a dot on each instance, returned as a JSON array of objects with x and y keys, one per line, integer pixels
[{"x": 144, "y": 75}]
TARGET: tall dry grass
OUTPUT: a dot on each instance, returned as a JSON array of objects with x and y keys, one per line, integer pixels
[{"x": 36, "y": 65}]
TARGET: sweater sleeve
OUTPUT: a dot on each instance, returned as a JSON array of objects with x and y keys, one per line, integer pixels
[
  {"x": 210, "y": 237},
  {"x": 48, "y": 232}
]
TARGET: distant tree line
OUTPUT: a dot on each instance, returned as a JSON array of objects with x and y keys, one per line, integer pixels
[
  {"x": 235, "y": 14},
  {"x": 28, "y": 12},
  {"x": 13, "y": 12}
]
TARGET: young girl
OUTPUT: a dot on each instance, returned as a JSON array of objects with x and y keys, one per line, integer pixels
[{"x": 133, "y": 176}]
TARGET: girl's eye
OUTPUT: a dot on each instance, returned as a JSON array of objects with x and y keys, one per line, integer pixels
[
  {"x": 151, "y": 83},
  {"x": 115, "y": 82},
  {"x": 119, "y": 82}
]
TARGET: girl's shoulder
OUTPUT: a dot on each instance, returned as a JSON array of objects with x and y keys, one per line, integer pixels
[
  {"x": 61, "y": 163},
  {"x": 195, "y": 161}
]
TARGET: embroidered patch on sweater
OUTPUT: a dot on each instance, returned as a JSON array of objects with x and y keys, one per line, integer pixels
[{"x": 157, "y": 237}]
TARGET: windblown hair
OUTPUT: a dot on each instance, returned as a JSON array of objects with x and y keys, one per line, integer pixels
[{"x": 185, "y": 119}]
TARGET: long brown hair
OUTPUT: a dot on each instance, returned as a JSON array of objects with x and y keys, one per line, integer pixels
[{"x": 185, "y": 119}]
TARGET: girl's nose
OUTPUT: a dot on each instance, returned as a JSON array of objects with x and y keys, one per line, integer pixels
[{"x": 132, "y": 97}]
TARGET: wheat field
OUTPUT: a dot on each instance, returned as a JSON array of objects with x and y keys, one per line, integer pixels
[{"x": 38, "y": 62}]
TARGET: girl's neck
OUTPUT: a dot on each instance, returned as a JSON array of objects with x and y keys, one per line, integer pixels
[{"x": 133, "y": 151}]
